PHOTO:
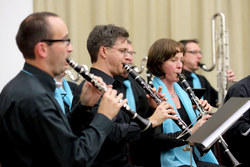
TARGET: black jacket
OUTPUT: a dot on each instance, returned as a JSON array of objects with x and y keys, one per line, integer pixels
[
  {"x": 35, "y": 132},
  {"x": 114, "y": 150}
]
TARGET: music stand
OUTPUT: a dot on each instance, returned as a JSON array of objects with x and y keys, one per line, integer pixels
[{"x": 219, "y": 123}]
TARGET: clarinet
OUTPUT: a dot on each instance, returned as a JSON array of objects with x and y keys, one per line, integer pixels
[
  {"x": 191, "y": 94},
  {"x": 195, "y": 99},
  {"x": 143, "y": 123},
  {"x": 150, "y": 78},
  {"x": 148, "y": 89}
]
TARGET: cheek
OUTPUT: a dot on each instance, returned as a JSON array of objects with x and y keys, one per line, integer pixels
[
  {"x": 167, "y": 68},
  {"x": 188, "y": 57},
  {"x": 115, "y": 61},
  {"x": 187, "y": 60}
]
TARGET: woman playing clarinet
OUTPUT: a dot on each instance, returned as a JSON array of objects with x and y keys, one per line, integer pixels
[{"x": 165, "y": 62}]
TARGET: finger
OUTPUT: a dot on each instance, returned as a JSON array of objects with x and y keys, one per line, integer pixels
[
  {"x": 169, "y": 106},
  {"x": 229, "y": 71},
  {"x": 122, "y": 102},
  {"x": 108, "y": 91},
  {"x": 165, "y": 105},
  {"x": 113, "y": 93},
  {"x": 159, "y": 89},
  {"x": 110, "y": 86},
  {"x": 99, "y": 79},
  {"x": 120, "y": 96},
  {"x": 209, "y": 107},
  {"x": 171, "y": 112},
  {"x": 173, "y": 117},
  {"x": 88, "y": 83},
  {"x": 201, "y": 101},
  {"x": 165, "y": 98},
  {"x": 207, "y": 117},
  {"x": 204, "y": 103},
  {"x": 206, "y": 107}
]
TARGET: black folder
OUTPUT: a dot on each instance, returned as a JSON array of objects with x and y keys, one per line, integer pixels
[{"x": 219, "y": 123}]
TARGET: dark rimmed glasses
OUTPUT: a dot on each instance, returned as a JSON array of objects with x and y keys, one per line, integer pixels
[
  {"x": 124, "y": 51},
  {"x": 67, "y": 41},
  {"x": 194, "y": 52}
]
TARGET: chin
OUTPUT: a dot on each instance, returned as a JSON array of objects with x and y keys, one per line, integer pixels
[
  {"x": 195, "y": 69},
  {"x": 175, "y": 80}
]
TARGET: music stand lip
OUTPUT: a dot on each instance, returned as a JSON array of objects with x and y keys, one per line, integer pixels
[{"x": 219, "y": 123}]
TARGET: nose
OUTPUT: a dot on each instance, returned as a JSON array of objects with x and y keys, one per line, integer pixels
[
  {"x": 179, "y": 64},
  {"x": 70, "y": 48},
  {"x": 199, "y": 55},
  {"x": 128, "y": 58}
]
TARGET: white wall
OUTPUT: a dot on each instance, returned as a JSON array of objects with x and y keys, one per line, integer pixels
[{"x": 12, "y": 12}]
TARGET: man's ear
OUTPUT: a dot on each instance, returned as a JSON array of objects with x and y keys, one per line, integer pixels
[
  {"x": 103, "y": 51},
  {"x": 40, "y": 49}
]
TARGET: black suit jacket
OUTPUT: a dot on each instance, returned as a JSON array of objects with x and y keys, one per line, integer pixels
[
  {"x": 114, "y": 150},
  {"x": 35, "y": 132}
]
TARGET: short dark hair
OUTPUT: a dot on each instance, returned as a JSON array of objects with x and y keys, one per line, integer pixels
[
  {"x": 104, "y": 35},
  {"x": 161, "y": 51},
  {"x": 186, "y": 41},
  {"x": 32, "y": 30}
]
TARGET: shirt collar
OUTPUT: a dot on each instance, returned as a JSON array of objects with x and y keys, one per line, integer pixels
[
  {"x": 105, "y": 77},
  {"x": 46, "y": 80}
]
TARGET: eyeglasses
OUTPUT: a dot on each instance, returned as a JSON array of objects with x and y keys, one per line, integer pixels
[
  {"x": 67, "y": 41},
  {"x": 194, "y": 52},
  {"x": 124, "y": 51}
]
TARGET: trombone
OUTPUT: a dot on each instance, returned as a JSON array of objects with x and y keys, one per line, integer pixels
[{"x": 220, "y": 58}]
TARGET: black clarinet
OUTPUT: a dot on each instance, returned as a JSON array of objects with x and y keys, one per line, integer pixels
[
  {"x": 148, "y": 89},
  {"x": 150, "y": 78},
  {"x": 142, "y": 122},
  {"x": 191, "y": 94},
  {"x": 195, "y": 99}
]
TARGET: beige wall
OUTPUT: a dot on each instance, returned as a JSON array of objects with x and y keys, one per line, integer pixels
[{"x": 149, "y": 20}]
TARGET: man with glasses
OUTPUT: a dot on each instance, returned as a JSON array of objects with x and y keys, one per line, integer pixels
[
  {"x": 108, "y": 49},
  {"x": 192, "y": 58},
  {"x": 34, "y": 131}
]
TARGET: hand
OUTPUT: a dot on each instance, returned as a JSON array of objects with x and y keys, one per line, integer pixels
[
  {"x": 162, "y": 112},
  {"x": 205, "y": 105},
  {"x": 151, "y": 101},
  {"x": 90, "y": 94},
  {"x": 199, "y": 123},
  {"x": 231, "y": 76},
  {"x": 111, "y": 103}
]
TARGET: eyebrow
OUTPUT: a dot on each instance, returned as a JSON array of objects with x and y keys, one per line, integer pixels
[
  {"x": 66, "y": 36},
  {"x": 122, "y": 48}
]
